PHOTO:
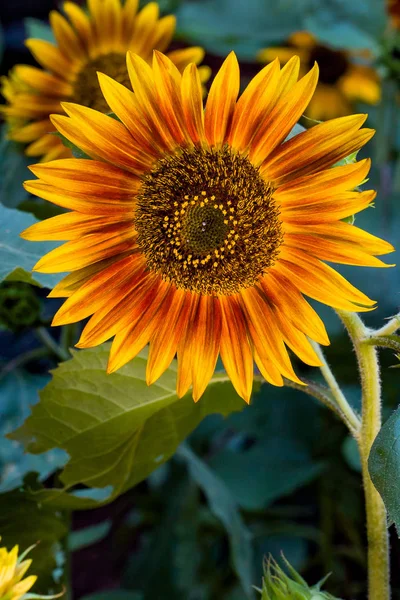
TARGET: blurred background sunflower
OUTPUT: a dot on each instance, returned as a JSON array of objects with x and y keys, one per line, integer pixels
[
  {"x": 90, "y": 39},
  {"x": 343, "y": 78}
]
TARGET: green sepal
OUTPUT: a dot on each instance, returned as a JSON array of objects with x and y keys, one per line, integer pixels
[{"x": 278, "y": 585}]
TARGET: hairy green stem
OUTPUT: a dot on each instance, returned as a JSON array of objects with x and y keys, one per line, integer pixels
[
  {"x": 351, "y": 419},
  {"x": 378, "y": 542},
  {"x": 391, "y": 327}
]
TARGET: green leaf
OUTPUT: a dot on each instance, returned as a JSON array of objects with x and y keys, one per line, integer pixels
[
  {"x": 13, "y": 171},
  {"x": 77, "y": 152},
  {"x": 39, "y": 29},
  {"x": 115, "y": 428},
  {"x": 82, "y": 538},
  {"x": 384, "y": 466},
  {"x": 18, "y": 256},
  {"x": 25, "y": 523},
  {"x": 223, "y": 504},
  {"x": 19, "y": 391},
  {"x": 268, "y": 470}
]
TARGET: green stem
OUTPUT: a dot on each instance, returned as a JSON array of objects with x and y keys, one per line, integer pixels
[
  {"x": 378, "y": 543},
  {"x": 391, "y": 327},
  {"x": 324, "y": 395},
  {"x": 352, "y": 419},
  {"x": 51, "y": 344},
  {"x": 22, "y": 360}
]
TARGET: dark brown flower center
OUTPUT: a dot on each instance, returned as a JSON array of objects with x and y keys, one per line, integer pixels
[
  {"x": 86, "y": 86},
  {"x": 207, "y": 221},
  {"x": 332, "y": 63}
]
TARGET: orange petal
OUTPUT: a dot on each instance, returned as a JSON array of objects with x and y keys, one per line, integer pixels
[
  {"x": 101, "y": 136},
  {"x": 192, "y": 103},
  {"x": 345, "y": 233},
  {"x": 283, "y": 117},
  {"x": 268, "y": 335},
  {"x": 167, "y": 81},
  {"x": 85, "y": 251},
  {"x": 321, "y": 282},
  {"x": 293, "y": 307},
  {"x": 253, "y": 105},
  {"x": 309, "y": 188},
  {"x": 166, "y": 338},
  {"x": 235, "y": 349},
  {"x": 142, "y": 80},
  {"x": 184, "y": 378},
  {"x": 72, "y": 282},
  {"x": 100, "y": 289},
  {"x": 128, "y": 343},
  {"x": 316, "y": 149},
  {"x": 331, "y": 208},
  {"x": 205, "y": 340},
  {"x": 221, "y": 100},
  {"x": 142, "y": 294},
  {"x": 72, "y": 226},
  {"x": 122, "y": 102},
  {"x": 78, "y": 200}
]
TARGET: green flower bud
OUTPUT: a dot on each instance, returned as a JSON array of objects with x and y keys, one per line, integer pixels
[
  {"x": 277, "y": 585},
  {"x": 19, "y": 305}
]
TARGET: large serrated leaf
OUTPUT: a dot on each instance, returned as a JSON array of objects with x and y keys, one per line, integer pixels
[
  {"x": 18, "y": 256},
  {"x": 384, "y": 466},
  {"x": 115, "y": 428}
]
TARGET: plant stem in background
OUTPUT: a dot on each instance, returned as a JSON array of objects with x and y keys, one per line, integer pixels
[
  {"x": 51, "y": 344},
  {"x": 378, "y": 543},
  {"x": 352, "y": 419}
]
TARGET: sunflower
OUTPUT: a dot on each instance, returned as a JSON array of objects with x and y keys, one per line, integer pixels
[
  {"x": 12, "y": 570},
  {"x": 198, "y": 230},
  {"x": 86, "y": 42},
  {"x": 342, "y": 81}
]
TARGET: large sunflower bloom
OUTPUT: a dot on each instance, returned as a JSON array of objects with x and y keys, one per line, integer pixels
[
  {"x": 342, "y": 81},
  {"x": 88, "y": 42},
  {"x": 12, "y": 570},
  {"x": 199, "y": 230}
]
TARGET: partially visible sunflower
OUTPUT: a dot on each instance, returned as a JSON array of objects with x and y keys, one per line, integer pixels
[
  {"x": 12, "y": 570},
  {"x": 199, "y": 230},
  {"x": 342, "y": 81},
  {"x": 87, "y": 42}
]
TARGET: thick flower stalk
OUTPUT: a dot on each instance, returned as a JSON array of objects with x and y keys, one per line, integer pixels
[
  {"x": 87, "y": 41},
  {"x": 198, "y": 229},
  {"x": 345, "y": 77}
]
